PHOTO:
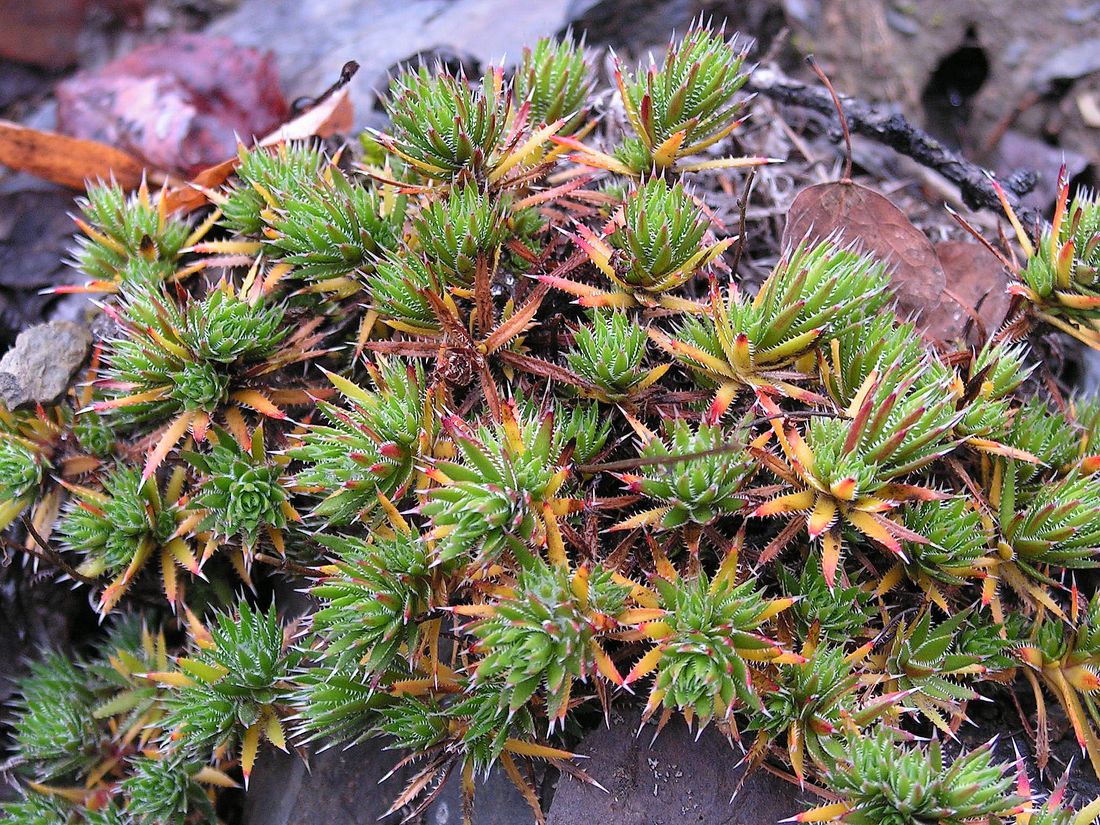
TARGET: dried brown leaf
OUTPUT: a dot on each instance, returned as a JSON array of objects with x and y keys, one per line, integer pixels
[
  {"x": 976, "y": 292},
  {"x": 850, "y": 213},
  {"x": 332, "y": 115},
  {"x": 65, "y": 160}
]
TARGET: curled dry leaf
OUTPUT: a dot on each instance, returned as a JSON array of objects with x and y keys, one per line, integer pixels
[
  {"x": 331, "y": 116},
  {"x": 854, "y": 214},
  {"x": 179, "y": 104}
]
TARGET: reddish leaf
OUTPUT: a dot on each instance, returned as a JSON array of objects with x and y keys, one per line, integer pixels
[
  {"x": 851, "y": 213},
  {"x": 178, "y": 104},
  {"x": 330, "y": 116},
  {"x": 45, "y": 32},
  {"x": 976, "y": 293}
]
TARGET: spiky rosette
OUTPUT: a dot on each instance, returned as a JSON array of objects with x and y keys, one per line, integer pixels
[
  {"x": 832, "y": 614},
  {"x": 696, "y": 472},
  {"x": 38, "y": 809},
  {"x": 708, "y": 639},
  {"x": 502, "y": 492},
  {"x": 22, "y": 468},
  {"x": 474, "y": 725},
  {"x": 127, "y": 699},
  {"x": 876, "y": 346},
  {"x": 444, "y": 128},
  {"x": 265, "y": 179},
  {"x": 242, "y": 492},
  {"x": 584, "y": 427},
  {"x": 1047, "y": 437},
  {"x": 458, "y": 230},
  {"x": 119, "y": 529},
  {"x": 397, "y": 288},
  {"x": 609, "y": 352},
  {"x": 1058, "y": 526},
  {"x": 94, "y": 433},
  {"x": 1066, "y": 659},
  {"x": 656, "y": 246},
  {"x": 954, "y": 539},
  {"x": 370, "y": 447},
  {"x": 54, "y": 726},
  {"x": 336, "y": 706},
  {"x": 333, "y": 231},
  {"x": 685, "y": 104},
  {"x": 936, "y": 661},
  {"x": 881, "y": 782},
  {"x": 994, "y": 374},
  {"x": 547, "y": 634},
  {"x": 812, "y": 704},
  {"x": 232, "y": 689},
  {"x": 814, "y": 293},
  {"x": 899, "y": 421},
  {"x": 165, "y": 791},
  {"x": 120, "y": 230},
  {"x": 184, "y": 365},
  {"x": 174, "y": 360},
  {"x": 555, "y": 81},
  {"x": 372, "y": 600},
  {"x": 80, "y": 725},
  {"x": 661, "y": 236},
  {"x": 1061, "y": 277}
]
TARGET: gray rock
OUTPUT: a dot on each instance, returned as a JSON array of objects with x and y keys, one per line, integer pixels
[
  {"x": 496, "y": 802},
  {"x": 634, "y": 27},
  {"x": 1090, "y": 373},
  {"x": 676, "y": 780},
  {"x": 345, "y": 787},
  {"x": 339, "y": 787},
  {"x": 42, "y": 362},
  {"x": 312, "y": 41},
  {"x": 35, "y": 233},
  {"x": 1069, "y": 63}
]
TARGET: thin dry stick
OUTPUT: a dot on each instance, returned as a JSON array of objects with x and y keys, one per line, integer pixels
[
  {"x": 286, "y": 564},
  {"x": 882, "y": 125},
  {"x": 742, "y": 208},
  {"x": 51, "y": 556},
  {"x": 840, "y": 114}
]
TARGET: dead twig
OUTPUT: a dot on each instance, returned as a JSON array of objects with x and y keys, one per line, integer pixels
[
  {"x": 49, "y": 555},
  {"x": 892, "y": 129}
]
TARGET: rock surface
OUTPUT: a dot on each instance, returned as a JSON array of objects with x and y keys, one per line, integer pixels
[
  {"x": 967, "y": 71},
  {"x": 312, "y": 41},
  {"x": 35, "y": 230},
  {"x": 676, "y": 780},
  {"x": 345, "y": 787},
  {"x": 42, "y": 362}
]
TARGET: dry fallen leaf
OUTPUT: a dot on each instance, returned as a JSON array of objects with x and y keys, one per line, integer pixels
[
  {"x": 331, "y": 116},
  {"x": 852, "y": 214},
  {"x": 178, "y": 103},
  {"x": 976, "y": 293},
  {"x": 65, "y": 160},
  {"x": 72, "y": 161}
]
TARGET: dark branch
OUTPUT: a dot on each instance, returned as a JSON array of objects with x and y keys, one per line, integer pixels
[
  {"x": 893, "y": 130},
  {"x": 47, "y": 553}
]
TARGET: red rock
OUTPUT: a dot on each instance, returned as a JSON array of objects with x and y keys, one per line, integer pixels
[{"x": 179, "y": 104}]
